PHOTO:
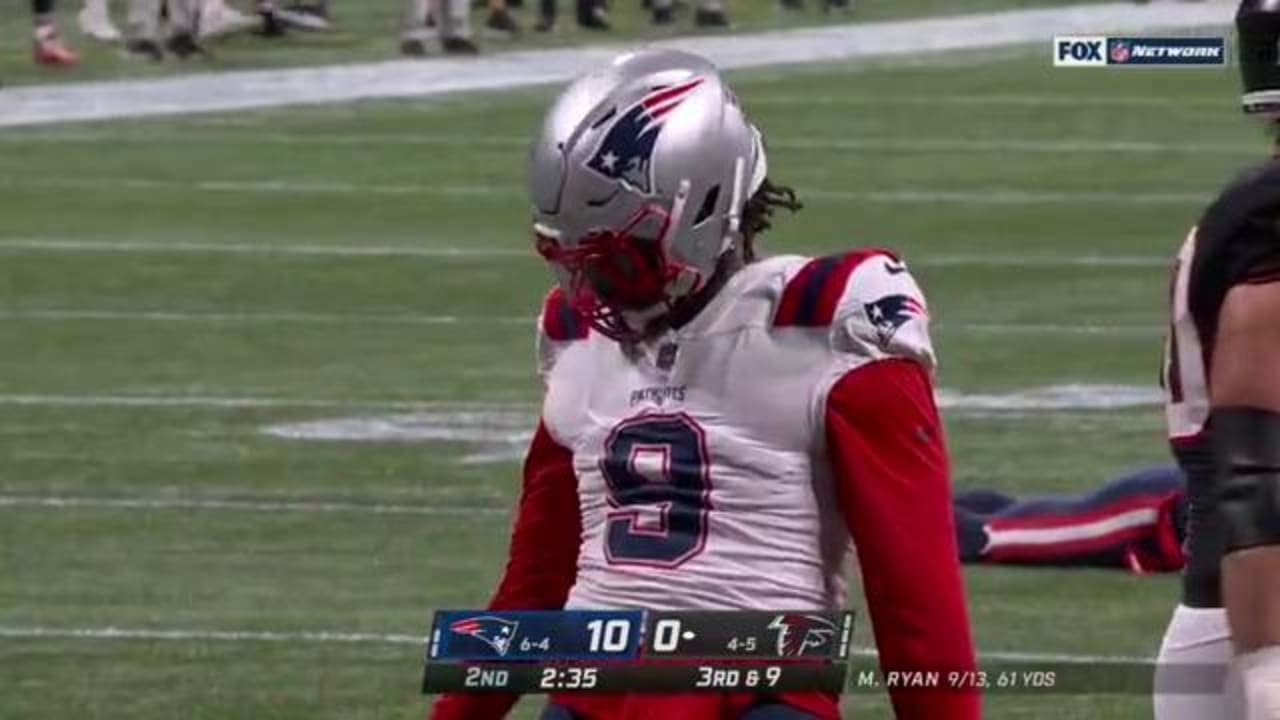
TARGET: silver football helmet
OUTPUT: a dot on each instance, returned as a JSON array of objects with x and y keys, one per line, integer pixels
[{"x": 638, "y": 178}]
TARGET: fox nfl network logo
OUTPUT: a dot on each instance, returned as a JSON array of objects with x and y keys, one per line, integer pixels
[{"x": 1103, "y": 51}]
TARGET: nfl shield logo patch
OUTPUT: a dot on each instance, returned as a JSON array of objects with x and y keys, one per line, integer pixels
[{"x": 667, "y": 356}]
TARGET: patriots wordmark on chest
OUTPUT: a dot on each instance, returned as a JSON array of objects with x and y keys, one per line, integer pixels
[{"x": 659, "y": 395}]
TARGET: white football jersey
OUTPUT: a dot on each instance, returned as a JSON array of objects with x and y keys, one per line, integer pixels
[
  {"x": 1184, "y": 376},
  {"x": 702, "y": 474}
]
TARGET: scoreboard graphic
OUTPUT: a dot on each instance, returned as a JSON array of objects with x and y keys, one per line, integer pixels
[{"x": 636, "y": 651}]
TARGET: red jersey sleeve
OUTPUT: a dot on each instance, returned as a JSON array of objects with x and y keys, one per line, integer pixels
[
  {"x": 889, "y": 460},
  {"x": 541, "y": 564}
]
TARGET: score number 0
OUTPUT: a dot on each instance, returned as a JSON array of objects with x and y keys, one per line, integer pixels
[{"x": 666, "y": 635}]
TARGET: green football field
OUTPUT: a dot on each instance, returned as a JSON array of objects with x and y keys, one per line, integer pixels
[{"x": 263, "y": 375}]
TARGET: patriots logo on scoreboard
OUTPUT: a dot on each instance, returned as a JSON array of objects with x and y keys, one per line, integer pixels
[
  {"x": 492, "y": 631},
  {"x": 892, "y": 312},
  {"x": 626, "y": 152},
  {"x": 798, "y": 633}
]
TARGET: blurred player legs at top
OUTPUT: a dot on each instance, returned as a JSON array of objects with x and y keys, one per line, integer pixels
[
  {"x": 209, "y": 18},
  {"x": 217, "y": 19},
  {"x": 156, "y": 26},
  {"x": 95, "y": 21},
  {"x": 48, "y": 47},
  {"x": 707, "y": 13},
  {"x": 1222, "y": 386},
  {"x": 590, "y": 14},
  {"x": 715, "y": 426},
  {"x": 451, "y": 20},
  {"x": 278, "y": 18}
]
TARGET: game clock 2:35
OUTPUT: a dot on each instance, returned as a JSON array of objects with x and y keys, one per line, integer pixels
[{"x": 568, "y": 678}]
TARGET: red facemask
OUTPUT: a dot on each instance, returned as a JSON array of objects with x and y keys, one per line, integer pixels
[{"x": 613, "y": 271}]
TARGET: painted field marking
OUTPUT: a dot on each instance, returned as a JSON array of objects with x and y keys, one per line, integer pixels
[
  {"x": 87, "y": 246},
  {"x": 311, "y": 318},
  {"x": 498, "y": 432},
  {"x": 1032, "y": 146},
  {"x": 221, "y": 402},
  {"x": 991, "y": 100},
  {"x": 994, "y": 196},
  {"x": 251, "y": 506},
  {"x": 910, "y": 39},
  {"x": 303, "y": 318},
  {"x": 484, "y": 415},
  {"x": 29, "y": 244}
]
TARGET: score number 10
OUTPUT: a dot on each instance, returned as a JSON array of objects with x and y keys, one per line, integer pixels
[{"x": 608, "y": 635}]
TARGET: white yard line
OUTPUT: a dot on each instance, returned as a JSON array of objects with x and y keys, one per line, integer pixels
[
  {"x": 1064, "y": 396},
  {"x": 189, "y": 635},
  {"x": 251, "y": 506},
  {"x": 1227, "y": 100},
  {"x": 74, "y": 245},
  {"x": 37, "y": 632},
  {"x": 123, "y": 245},
  {"x": 399, "y": 79},
  {"x": 908, "y": 196},
  {"x": 301, "y": 318},
  {"x": 1034, "y": 146},
  {"x": 278, "y": 186},
  {"x": 1142, "y": 331},
  {"x": 997, "y": 259},
  {"x": 310, "y": 318},
  {"x": 1005, "y": 196},
  {"x": 160, "y": 401}
]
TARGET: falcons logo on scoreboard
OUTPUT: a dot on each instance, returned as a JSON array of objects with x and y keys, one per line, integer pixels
[
  {"x": 492, "y": 631},
  {"x": 799, "y": 633}
]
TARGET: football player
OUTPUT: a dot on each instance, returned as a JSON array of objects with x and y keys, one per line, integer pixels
[
  {"x": 1222, "y": 382},
  {"x": 716, "y": 426},
  {"x": 1133, "y": 522}
]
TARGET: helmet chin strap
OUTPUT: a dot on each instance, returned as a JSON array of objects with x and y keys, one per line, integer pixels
[
  {"x": 733, "y": 219},
  {"x": 688, "y": 283},
  {"x": 759, "y": 169},
  {"x": 682, "y": 285}
]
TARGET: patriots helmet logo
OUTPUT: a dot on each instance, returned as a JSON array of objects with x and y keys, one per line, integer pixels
[
  {"x": 492, "y": 631},
  {"x": 625, "y": 153},
  {"x": 892, "y": 312},
  {"x": 798, "y": 633}
]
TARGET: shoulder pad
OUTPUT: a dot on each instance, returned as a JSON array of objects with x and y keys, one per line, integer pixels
[
  {"x": 1253, "y": 193},
  {"x": 558, "y": 326},
  {"x": 559, "y": 321},
  {"x": 869, "y": 301},
  {"x": 883, "y": 314},
  {"x": 812, "y": 294}
]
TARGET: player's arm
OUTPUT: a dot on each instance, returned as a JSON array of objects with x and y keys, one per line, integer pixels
[
  {"x": 889, "y": 460},
  {"x": 888, "y": 456},
  {"x": 1245, "y": 399},
  {"x": 541, "y": 564}
]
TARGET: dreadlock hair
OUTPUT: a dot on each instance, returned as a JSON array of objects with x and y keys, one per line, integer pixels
[{"x": 757, "y": 213}]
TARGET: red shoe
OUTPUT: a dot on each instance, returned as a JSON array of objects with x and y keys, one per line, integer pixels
[{"x": 51, "y": 51}]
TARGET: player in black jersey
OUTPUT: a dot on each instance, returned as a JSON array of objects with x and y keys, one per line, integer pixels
[{"x": 1222, "y": 383}]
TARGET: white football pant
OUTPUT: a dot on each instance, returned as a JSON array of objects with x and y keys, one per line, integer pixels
[{"x": 1196, "y": 637}]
